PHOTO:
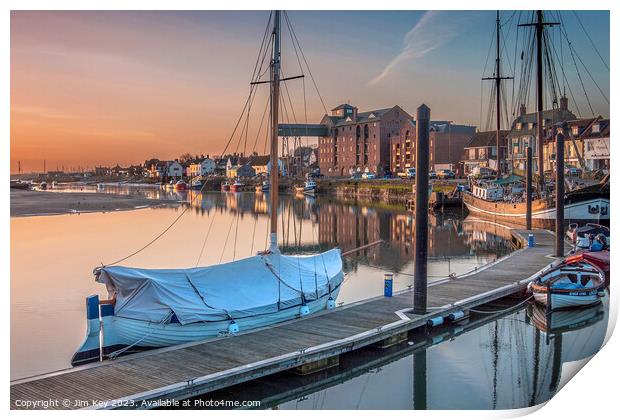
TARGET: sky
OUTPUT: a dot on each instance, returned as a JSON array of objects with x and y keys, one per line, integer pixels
[{"x": 119, "y": 87}]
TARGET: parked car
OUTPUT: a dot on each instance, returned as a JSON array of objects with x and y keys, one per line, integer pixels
[
  {"x": 368, "y": 175},
  {"x": 356, "y": 175},
  {"x": 408, "y": 173},
  {"x": 446, "y": 174},
  {"x": 432, "y": 174}
]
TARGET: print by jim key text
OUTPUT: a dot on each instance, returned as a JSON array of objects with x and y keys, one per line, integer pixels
[{"x": 141, "y": 404}]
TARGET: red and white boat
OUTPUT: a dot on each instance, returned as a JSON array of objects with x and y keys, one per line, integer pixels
[{"x": 237, "y": 186}]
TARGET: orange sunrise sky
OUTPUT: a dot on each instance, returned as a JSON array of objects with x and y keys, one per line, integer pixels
[{"x": 107, "y": 87}]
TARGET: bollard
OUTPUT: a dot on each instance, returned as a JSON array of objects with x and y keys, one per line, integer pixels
[
  {"x": 388, "y": 283},
  {"x": 531, "y": 240}
]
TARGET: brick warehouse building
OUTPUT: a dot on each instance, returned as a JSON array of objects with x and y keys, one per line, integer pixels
[
  {"x": 359, "y": 141},
  {"x": 446, "y": 144}
]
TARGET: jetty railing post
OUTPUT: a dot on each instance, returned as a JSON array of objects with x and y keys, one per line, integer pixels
[
  {"x": 421, "y": 209},
  {"x": 559, "y": 195},
  {"x": 528, "y": 188}
]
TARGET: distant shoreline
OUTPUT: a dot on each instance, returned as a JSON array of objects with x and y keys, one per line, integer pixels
[{"x": 42, "y": 203}]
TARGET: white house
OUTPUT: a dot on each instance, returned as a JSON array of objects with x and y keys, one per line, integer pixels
[
  {"x": 174, "y": 169},
  {"x": 201, "y": 167}
]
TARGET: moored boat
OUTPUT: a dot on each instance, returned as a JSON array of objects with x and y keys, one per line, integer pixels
[
  {"x": 19, "y": 185},
  {"x": 570, "y": 284},
  {"x": 176, "y": 306},
  {"x": 585, "y": 237},
  {"x": 43, "y": 185},
  {"x": 225, "y": 186},
  {"x": 310, "y": 187},
  {"x": 237, "y": 185},
  {"x": 180, "y": 185},
  {"x": 150, "y": 308}
]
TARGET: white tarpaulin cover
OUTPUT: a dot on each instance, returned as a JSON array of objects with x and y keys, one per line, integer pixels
[{"x": 251, "y": 286}]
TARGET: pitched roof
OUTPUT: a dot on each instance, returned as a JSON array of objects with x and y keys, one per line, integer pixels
[
  {"x": 342, "y": 106},
  {"x": 550, "y": 117},
  {"x": 259, "y": 160},
  {"x": 485, "y": 139},
  {"x": 364, "y": 117}
]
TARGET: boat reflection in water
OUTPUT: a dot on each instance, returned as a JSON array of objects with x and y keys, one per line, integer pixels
[{"x": 493, "y": 360}]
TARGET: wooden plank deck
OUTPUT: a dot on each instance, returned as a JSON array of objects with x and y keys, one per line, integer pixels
[{"x": 193, "y": 369}]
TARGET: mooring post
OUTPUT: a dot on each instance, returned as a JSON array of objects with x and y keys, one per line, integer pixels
[
  {"x": 528, "y": 188},
  {"x": 421, "y": 209},
  {"x": 559, "y": 195}
]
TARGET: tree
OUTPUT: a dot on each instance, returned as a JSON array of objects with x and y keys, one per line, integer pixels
[{"x": 185, "y": 157}]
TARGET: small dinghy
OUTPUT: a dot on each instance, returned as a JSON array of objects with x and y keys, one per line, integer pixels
[
  {"x": 589, "y": 236},
  {"x": 237, "y": 185},
  {"x": 571, "y": 284},
  {"x": 601, "y": 259},
  {"x": 150, "y": 308}
]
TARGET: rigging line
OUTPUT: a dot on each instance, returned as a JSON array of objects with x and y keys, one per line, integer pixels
[
  {"x": 260, "y": 127},
  {"x": 235, "y": 243},
  {"x": 205, "y": 240},
  {"x": 585, "y": 93},
  {"x": 226, "y": 241},
  {"x": 572, "y": 49},
  {"x": 305, "y": 61},
  {"x": 591, "y": 41},
  {"x": 253, "y": 233}
]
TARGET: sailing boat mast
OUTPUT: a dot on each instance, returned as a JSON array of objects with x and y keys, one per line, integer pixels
[
  {"x": 498, "y": 84},
  {"x": 275, "y": 99},
  {"x": 540, "y": 26}
]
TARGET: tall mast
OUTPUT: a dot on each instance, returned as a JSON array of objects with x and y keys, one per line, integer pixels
[
  {"x": 540, "y": 26},
  {"x": 498, "y": 110},
  {"x": 539, "y": 97},
  {"x": 275, "y": 99}
]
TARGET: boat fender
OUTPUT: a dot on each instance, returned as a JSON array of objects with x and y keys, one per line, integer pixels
[
  {"x": 331, "y": 303},
  {"x": 304, "y": 310},
  {"x": 456, "y": 315},
  {"x": 233, "y": 327},
  {"x": 433, "y": 322}
]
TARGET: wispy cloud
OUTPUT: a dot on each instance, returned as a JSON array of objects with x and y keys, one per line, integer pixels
[{"x": 430, "y": 32}]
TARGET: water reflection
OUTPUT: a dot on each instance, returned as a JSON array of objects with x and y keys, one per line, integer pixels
[
  {"x": 491, "y": 361},
  {"x": 52, "y": 257}
]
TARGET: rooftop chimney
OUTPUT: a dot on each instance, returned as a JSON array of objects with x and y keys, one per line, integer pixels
[
  {"x": 522, "y": 110},
  {"x": 564, "y": 103}
]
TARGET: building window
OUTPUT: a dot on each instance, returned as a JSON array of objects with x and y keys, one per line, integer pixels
[
  {"x": 575, "y": 130},
  {"x": 518, "y": 126},
  {"x": 596, "y": 128}
]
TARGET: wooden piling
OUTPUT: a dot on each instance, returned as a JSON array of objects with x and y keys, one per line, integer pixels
[
  {"x": 559, "y": 195},
  {"x": 528, "y": 189},
  {"x": 421, "y": 209}
]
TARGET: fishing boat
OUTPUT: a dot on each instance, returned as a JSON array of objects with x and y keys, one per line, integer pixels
[
  {"x": 237, "y": 185},
  {"x": 225, "y": 186},
  {"x": 585, "y": 237},
  {"x": 151, "y": 308},
  {"x": 570, "y": 284}
]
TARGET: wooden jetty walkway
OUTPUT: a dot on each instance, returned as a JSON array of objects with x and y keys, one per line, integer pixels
[{"x": 142, "y": 380}]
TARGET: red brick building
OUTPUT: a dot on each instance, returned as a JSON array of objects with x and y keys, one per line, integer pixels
[
  {"x": 359, "y": 141},
  {"x": 446, "y": 143}
]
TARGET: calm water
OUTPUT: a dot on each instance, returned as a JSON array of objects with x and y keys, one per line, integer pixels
[
  {"x": 487, "y": 362},
  {"x": 52, "y": 257}
]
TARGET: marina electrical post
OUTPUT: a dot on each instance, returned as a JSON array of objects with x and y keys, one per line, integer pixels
[
  {"x": 423, "y": 118},
  {"x": 559, "y": 195},
  {"x": 528, "y": 188}
]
